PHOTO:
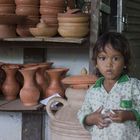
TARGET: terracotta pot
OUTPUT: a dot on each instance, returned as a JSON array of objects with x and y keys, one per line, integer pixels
[
  {"x": 80, "y": 81},
  {"x": 27, "y": 2},
  {"x": 23, "y": 30},
  {"x": 7, "y": 31},
  {"x": 29, "y": 94},
  {"x": 10, "y": 86},
  {"x": 64, "y": 124},
  {"x": 76, "y": 19},
  {"x": 44, "y": 32},
  {"x": 55, "y": 86},
  {"x": 49, "y": 19},
  {"x": 67, "y": 24},
  {"x": 76, "y": 32},
  {"x": 7, "y": 1},
  {"x": 59, "y": 3},
  {"x": 28, "y": 10},
  {"x": 7, "y": 8}
]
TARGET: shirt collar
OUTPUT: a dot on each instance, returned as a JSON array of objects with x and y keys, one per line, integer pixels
[{"x": 123, "y": 78}]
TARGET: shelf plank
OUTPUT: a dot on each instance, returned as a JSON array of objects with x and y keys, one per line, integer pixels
[
  {"x": 48, "y": 39},
  {"x": 17, "y": 106}
]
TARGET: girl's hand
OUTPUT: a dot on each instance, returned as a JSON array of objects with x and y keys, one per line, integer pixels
[
  {"x": 121, "y": 116},
  {"x": 97, "y": 119}
]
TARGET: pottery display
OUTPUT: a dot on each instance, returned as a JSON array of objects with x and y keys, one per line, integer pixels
[
  {"x": 29, "y": 94},
  {"x": 63, "y": 122},
  {"x": 55, "y": 86},
  {"x": 10, "y": 87}
]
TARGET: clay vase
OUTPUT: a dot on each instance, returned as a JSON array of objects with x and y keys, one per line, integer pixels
[
  {"x": 41, "y": 78},
  {"x": 29, "y": 94},
  {"x": 55, "y": 86},
  {"x": 63, "y": 122},
  {"x": 10, "y": 86}
]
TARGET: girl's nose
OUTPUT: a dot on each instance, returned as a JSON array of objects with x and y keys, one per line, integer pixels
[{"x": 109, "y": 62}]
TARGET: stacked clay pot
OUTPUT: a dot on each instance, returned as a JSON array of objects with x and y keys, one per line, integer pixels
[
  {"x": 7, "y": 7},
  {"x": 29, "y": 8},
  {"x": 73, "y": 23},
  {"x": 43, "y": 30},
  {"x": 49, "y": 10}
]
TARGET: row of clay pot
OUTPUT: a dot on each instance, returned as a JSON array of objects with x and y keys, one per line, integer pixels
[{"x": 31, "y": 81}]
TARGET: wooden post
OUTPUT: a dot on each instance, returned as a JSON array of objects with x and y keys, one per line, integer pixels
[
  {"x": 94, "y": 27},
  {"x": 33, "y": 125}
]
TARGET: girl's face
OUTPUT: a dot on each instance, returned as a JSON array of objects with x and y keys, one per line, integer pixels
[{"x": 110, "y": 63}]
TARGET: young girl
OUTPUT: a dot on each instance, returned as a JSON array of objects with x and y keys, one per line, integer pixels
[{"x": 111, "y": 109}]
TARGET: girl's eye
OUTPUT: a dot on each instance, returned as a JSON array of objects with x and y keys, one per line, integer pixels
[
  {"x": 101, "y": 58},
  {"x": 116, "y": 58}
]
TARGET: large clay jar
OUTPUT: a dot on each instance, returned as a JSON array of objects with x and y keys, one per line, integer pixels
[
  {"x": 63, "y": 123},
  {"x": 55, "y": 85},
  {"x": 10, "y": 86},
  {"x": 29, "y": 94}
]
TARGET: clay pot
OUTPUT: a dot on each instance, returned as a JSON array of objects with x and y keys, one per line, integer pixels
[
  {"x": 80, "y": 81},
  {"x": 23, "y": 30},
  {"x": 59, "y": 3},
  {"x": 55, "y": 86},
  {"x": 27, "y": 2},
  {"x": 73, "y": 19},
  {"x": 43, "y": 32},
  {"x": 41, "y": 78},
  {"x": 76, "y": 32},
  {"x": 7, "y": 1},
  {"x": 10, "y": 86},
  {"x": 49, "y": 19},
  {"x": 7, "y": 31},
  {"x": 50, "y": 10},
  {"x": 67, "y": 24},
  {"x": 29, "y": 94},
  {"x": 64, "y": 124},
  {"x": 7, "y": 8},
  {"x": 28, "y": 10}
]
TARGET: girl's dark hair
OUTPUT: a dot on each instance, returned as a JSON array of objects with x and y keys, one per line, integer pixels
[{"x": 118, "y": 42}]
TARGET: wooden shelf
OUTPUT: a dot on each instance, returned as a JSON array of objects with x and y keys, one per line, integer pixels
[
  {"x": 49, "y": 39},
  {"x": 17, "y": 106},
  {"x": 48, "y": 42}
]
